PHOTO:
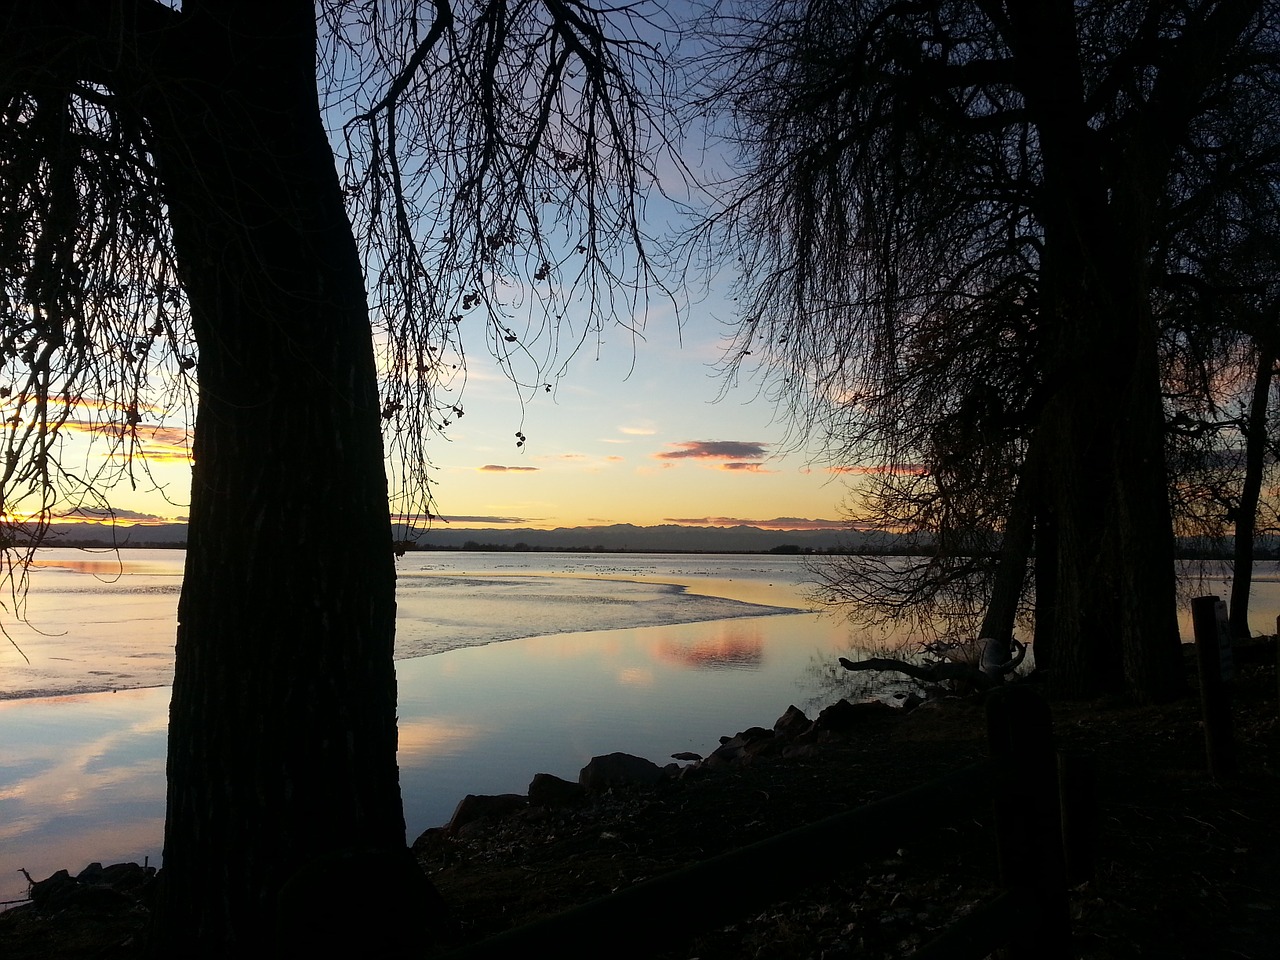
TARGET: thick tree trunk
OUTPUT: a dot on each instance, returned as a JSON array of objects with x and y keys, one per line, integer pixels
[
  {"x": 282, "y": 735},
  {"x": 1099, "y": 439},
  {"x": 1250, "y": 493}
]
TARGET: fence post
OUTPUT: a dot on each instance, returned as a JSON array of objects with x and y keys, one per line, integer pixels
[
  {"x": 1214, "y": 665},
  {"x": 1028, "y": 820},
  {"x": 1076, "y": 786}
]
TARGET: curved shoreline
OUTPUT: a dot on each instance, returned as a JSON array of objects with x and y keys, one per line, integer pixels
[{"x": 433, "y": 638}]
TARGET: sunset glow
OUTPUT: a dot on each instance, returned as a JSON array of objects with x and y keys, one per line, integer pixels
[{"x": 639, "y": 435}]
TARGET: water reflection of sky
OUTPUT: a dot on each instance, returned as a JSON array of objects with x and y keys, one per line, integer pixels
[
  {"x": 732, "y": 647},
  {"x": 82, "y": 777},
  {"x": 99, "y": 622}
]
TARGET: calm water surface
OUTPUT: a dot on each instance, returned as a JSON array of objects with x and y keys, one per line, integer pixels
[
  {"x": 646, "y": 654},
  {"x": 591, "y": 653}
]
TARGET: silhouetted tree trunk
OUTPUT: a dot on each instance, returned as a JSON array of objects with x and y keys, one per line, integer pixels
[
  {"x": 165, "y": 175},
  {"x": 283, "y": 723},
  {"x": 1010, "y": 575},
  {"x": 1250, "y": 492},
  {"x": 1100, "y": 436}
]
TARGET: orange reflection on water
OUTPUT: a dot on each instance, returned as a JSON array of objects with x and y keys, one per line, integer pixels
[
  {"x": 736, "y": 648},
  {"x": 114, "y": 566},
  {"x": 97, "y": 568},
  {"x": 635, "y": 677},
  {"x": 420, "y": 739}
]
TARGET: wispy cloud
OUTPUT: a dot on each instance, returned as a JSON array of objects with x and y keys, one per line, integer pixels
[
  {"x": 901, "y": 469},
  {"x": 638, "y": 429},
  {"x": 499, "y": 468},
  {"x": 729, "y": 450},
  {"x": 481, "y": 521}
]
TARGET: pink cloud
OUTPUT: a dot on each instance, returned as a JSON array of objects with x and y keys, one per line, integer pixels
[{"x": 715, "y": 450}]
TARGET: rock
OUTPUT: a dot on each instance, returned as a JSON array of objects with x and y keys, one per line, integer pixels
[
  {"x": 125, "y": 877},
  {"x": 431, "y": 841},
  {"x": 843, "y": 716},
  {"x": 618, "y": 770},
  {"x": 797, "y": 751},
  {"x": 793, "y": 723},
  {"x": 749, "y": 743},
  {"x": 686, "y": 755},
  {"x": 548, "y": 791},
  {"x": 53, "y": 892},
  {"x": 474, "y": 807},
  {"x": 93, "y": 888}
]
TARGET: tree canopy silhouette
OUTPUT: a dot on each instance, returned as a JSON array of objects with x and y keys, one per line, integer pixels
[
  {"x": 953, "y": 224},
  {"x": 186, "y": 208}
]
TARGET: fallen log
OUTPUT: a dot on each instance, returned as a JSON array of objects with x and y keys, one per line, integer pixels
[{"x": 990, "y": 669}]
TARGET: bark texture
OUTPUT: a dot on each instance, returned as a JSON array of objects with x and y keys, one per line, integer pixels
[{"x": 282, "y": 728}]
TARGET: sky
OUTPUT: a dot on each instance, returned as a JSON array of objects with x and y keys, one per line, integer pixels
[
  {"x": 635, "y": 431},
  {"x": 632, "y": 433},
  {"x": 644, "y": 442}
]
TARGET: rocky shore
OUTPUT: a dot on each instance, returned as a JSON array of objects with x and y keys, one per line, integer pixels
[{"x": 1185, "y": 867}]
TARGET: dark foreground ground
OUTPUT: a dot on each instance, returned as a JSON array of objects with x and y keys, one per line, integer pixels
[{"x": 1186, "y": 867}]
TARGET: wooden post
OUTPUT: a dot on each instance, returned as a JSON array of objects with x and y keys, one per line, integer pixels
[
  {"x": 1028, "y": 820},
  {"x": 1213, "y": 660},
  {"x": 1076, "y": 780}
]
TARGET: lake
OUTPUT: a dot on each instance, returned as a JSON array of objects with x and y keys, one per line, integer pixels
[{"x": 508, "y": 665}]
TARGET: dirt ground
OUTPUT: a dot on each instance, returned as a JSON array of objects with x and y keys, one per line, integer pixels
[{"x": 1185, "y": 866}]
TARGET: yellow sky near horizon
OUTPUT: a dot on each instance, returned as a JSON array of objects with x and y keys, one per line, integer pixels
[{"x": 621, "y": 439}]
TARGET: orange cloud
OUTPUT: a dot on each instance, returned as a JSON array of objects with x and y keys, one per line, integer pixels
[
  {"x": 155, "y": 443},
  {"x": 499, "y": 468}
]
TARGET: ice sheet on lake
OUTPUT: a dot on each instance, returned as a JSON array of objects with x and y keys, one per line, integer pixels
[
  {"x": 96, "y": 634},
  {"x": 442, "y": 612}
]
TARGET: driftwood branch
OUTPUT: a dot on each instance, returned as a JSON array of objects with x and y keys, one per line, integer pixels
[{"x": 989, "y": 670}]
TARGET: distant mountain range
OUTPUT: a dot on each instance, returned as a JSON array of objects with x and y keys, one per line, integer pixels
[
  {"x": 668, "y": 537},
  {"x": 635, "y": 539},
  {"x": 615, "y": 537}
]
